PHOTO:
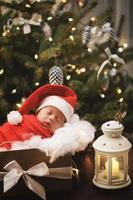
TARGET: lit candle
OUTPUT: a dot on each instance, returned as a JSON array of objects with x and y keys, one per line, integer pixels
[{"x": 115, "y": 169}]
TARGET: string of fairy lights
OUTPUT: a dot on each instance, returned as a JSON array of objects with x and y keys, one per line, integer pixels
[{"x": 69, "y": 67}]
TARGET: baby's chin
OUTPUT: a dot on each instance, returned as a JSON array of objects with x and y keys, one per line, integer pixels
[
  {"x": 47, "y": 126},
  {"x": 50, "y": 128}
]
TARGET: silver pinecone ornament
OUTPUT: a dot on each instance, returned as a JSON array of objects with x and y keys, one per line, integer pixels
[
  {"x": 56, "y": 75},
  {"x": 86, "y": 34}
]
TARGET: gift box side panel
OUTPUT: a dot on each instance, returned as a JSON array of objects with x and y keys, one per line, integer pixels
[{"x": 29, "y": 158}]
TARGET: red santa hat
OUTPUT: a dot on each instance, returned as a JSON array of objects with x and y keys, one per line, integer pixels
[
  {"x": 59, "y": 96},
  {"x": 54, "y": 94}
]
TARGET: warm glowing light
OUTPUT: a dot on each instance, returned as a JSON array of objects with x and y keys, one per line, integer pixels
[
  {"x": 36, "y": 56},
  {"x": 49, "y": 18},
  {"x": 73, "y": 28},
  {"x": 38, "y": 0},
  {"x": 81, "y": 4},
  {"x": 50, "y": 39},
  {"x": 68, "y": 77},
  {"x": 71, "y": 37},
  {"x": 114, "y": 64},
  {"x": 18, "y": 28},
  {"x": 37, "y": 83},
  {"x": 93, "y": 19},
  {"x": 115, "y": 168},
  {"x": 119, "y": 91},
  {"x": 4, "y": 33},
  {"x": 125, "y": 45},
  {"x": 28, "y": 5},
  {"x": 102, "y": 96},
  {"x": 73, "y": 66},
  {"x": 64, "y": 1},
  {"x": 18, "y": 105},
  {"x": 83, "y": 69},
  {"x": 121, "y": 99},
  {"x": 78, "y": 71},
  {"x": 120, "y": 49},
  {"x": 39, "y": 20},
  {"x": 105, "y": 72},
  {"x": 23, "y": 99},
  {"x": 70, "y": 19},
  {"x": 89, "y": 50},
  {"x": 1, "y": 71},
  {"x": 13, "y": 91}
]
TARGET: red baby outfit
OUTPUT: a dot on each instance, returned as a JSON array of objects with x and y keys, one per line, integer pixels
[{"x": 28, "y": 127}]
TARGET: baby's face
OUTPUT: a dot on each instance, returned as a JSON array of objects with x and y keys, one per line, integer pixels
[{"x": 51, "y": 118}]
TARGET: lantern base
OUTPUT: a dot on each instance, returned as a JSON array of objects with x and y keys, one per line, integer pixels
[{"x": 101, "y": 185}]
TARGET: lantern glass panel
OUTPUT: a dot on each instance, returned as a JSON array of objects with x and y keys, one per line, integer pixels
[
  {"x": 111, "y": 168},
  {"x": 100, "y": 168}
]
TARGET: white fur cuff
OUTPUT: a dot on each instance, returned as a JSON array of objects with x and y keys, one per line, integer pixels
[{"x": 72, "y": 138}]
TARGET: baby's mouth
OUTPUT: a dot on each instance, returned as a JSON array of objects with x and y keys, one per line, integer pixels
[{"x": 46, "y": 124}]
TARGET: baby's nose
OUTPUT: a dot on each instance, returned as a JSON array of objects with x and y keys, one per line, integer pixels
[{"x": 52, "y": 118}]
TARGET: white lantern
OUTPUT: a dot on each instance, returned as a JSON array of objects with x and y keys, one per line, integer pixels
[{"x": 111, "y": 157}]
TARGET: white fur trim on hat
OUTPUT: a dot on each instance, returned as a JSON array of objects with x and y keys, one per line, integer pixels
[{"x": 59, "y": 103}]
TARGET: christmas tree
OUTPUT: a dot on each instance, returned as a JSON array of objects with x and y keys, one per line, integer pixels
[{"x": 38, "y": 34}]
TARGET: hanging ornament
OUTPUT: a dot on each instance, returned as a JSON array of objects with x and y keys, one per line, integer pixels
[
  {"x": 7, "y": 27},
  {"x": 113, "y": 72},
  {"x": 89, "y": 38},
  {"x": 86, "y": 34},
  {"x": 24, "y": 22},
  {"x": 104, "y": 83},
  {"x": 95, "y": 36},
  {"x": 47, "y": 30},
  {"x": 9, "y": 23},
  {"x": 26, "y": 29},
  {"x": 111, "y": 57},
  {"x": 106, "y": 34},
  {"x": 56, "y": 75}
]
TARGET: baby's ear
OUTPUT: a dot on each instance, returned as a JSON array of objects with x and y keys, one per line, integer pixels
[{"x": 14, "y": 117}]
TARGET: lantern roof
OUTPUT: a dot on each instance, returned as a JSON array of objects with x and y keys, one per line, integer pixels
[
  {"x": 112, "y": 141},
  {"x": 112, "y": 125},
  {"x": 112, "y": 128}
]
